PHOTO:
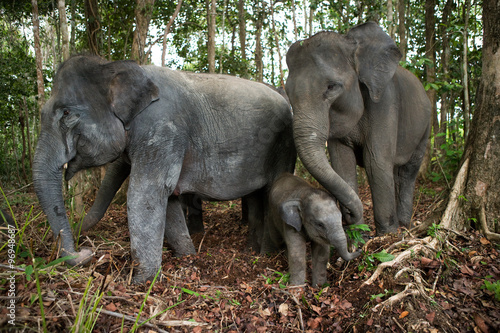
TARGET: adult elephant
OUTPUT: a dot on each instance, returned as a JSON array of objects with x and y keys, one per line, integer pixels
[
  {"x": 217, "y": 136},
  {"x": 348, "y": 90}
]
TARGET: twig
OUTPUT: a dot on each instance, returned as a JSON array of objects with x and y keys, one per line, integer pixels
[
  {"x": 20, "y": 269},
  {"x": 437, "y": 278},
  {"x": 172, "y": 323},
  {"x": 397, "y": 323},
  {"x": 299, "y": 310}
]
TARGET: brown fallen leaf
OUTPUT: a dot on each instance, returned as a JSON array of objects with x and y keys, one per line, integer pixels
[
  {"x": 430, "y": 317},
  {"x": 111, "y": 307},
  {"x": 403, "y": 314},
  {"x": 481, "y": 323},
  {"x": 484, "y": 241}
]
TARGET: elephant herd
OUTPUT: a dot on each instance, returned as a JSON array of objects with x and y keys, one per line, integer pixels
[{"x": 181, "y": 137}]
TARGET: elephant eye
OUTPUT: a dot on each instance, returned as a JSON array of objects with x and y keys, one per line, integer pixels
[{"x": 65, "y": 112}]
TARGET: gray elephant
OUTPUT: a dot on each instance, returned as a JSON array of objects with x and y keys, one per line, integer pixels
[
  {"x": 348, "y": 90},
  {"x": 216, "y": 136},
  {"x": 298, "y": 213}
]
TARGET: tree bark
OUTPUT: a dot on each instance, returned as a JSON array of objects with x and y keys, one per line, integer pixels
[
  {"x": 445, "y": 59},
  {"x": 465, "y": 72},
  {"x": 277, "y": 41},
  {"x": 167, "y": 31},
  {"x": 430, "y": 53},
  {"x": 143, "y": 13},
  {"x": 211, "y": 35},
  {"x": 482, "y": 187},
  {"x": 93, "y": 26},
  {"x": 38, "y": 56},
  {"x": 390, "y": 19},
  {"x": 61, "y": 5},
  {"x": 242, "y": 29},
  {"x": 403, "y": 44}
]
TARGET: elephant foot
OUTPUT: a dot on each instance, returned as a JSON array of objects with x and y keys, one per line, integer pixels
[
  {"x": 143, "y": 275},
  {"x": 82, "y": 258}
]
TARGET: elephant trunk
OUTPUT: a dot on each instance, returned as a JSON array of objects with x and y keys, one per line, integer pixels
[
  {"x": 47, "y": 180},
  {"x": 310, "y": 134},
  {"x": 339, "y": 240}
]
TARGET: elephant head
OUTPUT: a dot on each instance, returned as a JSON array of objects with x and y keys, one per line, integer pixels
[
  {"x": 83, "y": 125},
  {"x": 318, "y": 213},
  {"x": 331, "y": 76}
]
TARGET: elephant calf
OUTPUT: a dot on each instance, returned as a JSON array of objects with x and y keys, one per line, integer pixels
[{"x": 294, "y": 204}]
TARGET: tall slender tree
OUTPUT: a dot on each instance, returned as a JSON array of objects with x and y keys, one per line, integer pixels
[
  {"x": 93, "y": 26},
  {"x": 143, "y": 13},
  {"x": 38, "y": 54},
  {"x": 63, "y": 22},
  {"x": 167, "y": 31},
  {"x": 211, "y": 16}
]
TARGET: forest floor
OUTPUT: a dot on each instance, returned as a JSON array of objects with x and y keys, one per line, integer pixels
[{"x": 225, "y": 288}]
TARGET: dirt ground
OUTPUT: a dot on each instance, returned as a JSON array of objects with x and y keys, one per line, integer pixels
[{"x": 225, "y": 288}]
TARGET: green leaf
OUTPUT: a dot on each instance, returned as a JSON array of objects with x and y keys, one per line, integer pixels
[{"x": 383, "y": 256}]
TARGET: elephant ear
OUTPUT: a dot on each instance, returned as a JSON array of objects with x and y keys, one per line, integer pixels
[
  {"x": 376, "y": 57},
  {"x": 290, "y": 214},
  {"x": 130, "y": 90}
]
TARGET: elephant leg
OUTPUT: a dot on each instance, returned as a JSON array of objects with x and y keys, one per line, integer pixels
[
  {"x": 380, "y": 173},
  {"x": 193, "y": 210},
  {"x": 116, "y": 174},
  {"x": 296, "y": 248},
  {"x": 147, "y": 211},
  {"x": 320, "y": 257},
  {"x": 405, "y": 177},
  {"x": 176, "y": 230},
  {"x": 255, "y": 203},
  {"x": 343, "y": 161}
]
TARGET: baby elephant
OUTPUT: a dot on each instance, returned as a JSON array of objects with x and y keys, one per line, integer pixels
[{"x": 299, "y": 212}]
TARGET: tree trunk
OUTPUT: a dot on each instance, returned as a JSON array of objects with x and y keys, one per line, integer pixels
[
  {"x": 465, "y": 73},
  {"x": 294, "y": 17},
  {"x": 482, "y": 187},
  {"x": 211, "y": 15},
  {"x": 390, "y": 19},
  {"x": 38, "y": 56},
  {"x": 242, "y": 24},
  {"x": 61, "y": 5},
  {"x": 430, "y": 53},
  {"x": 167, "y": 31},
  {"x": 445, "y": 58},
  {"x": 143, "y": 13},
  {"x": 93, "y": 26},
  {"x": 258, "y": 52},
  {"x": 72, "y": 47},
  {"x": 277, "y": 41},
  {"x": 221, "y": 57},
  {"x": 402, "y": 29}
]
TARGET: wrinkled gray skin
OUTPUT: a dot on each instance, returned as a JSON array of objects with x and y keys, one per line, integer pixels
[
  {"x": 349, "y": 91},
  {"x": 219, "y": 137},
  {"x": 299, "y": 213}
]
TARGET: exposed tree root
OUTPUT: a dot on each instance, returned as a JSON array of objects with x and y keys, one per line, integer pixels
[{"x": 491, "y": 236}]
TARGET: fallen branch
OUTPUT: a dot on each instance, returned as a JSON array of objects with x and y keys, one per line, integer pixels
[{"x": 168, "y": 323}]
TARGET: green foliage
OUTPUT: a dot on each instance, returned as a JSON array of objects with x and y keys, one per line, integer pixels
[
  {"x": 278, "y": 277},
  {"x": 492, "y": 287},
  {"x": 353, "y": 231},
  {"x": 370, "y": 261},
  {"x": 88, "y": 310}
]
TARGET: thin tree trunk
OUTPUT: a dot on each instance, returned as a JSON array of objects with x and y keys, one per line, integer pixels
[
  {"x": 221, "y": 58},
  {"x": 294, "y": 17},
  {"x": 402, "y": 29},
  {"x": 465, "y": 68},
  {"x": 430, "y": 53},
  {"x": 167, "y": 31},
  {"x": 242, "y": 31},
  {"x": 73, "y": 27},
  {"x": 93, "y": 26},
  {"x": 38, "y": 56},
  {"x": 282, "y": 75},
  {"x": 61, "y": 5},
  {"x": 143, "y": 13},
  {"x": 390, "y": 19},
  {"x": 445, "y": 58},
  {"x": 211, "y": 15}
]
